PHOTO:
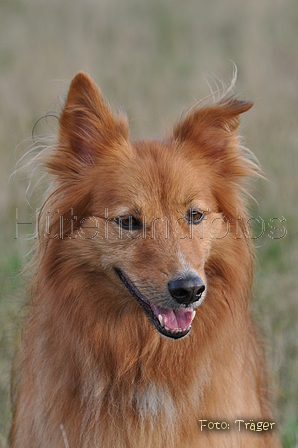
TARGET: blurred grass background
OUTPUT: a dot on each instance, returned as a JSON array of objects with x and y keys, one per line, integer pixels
[{"x": 151, "y": 57}]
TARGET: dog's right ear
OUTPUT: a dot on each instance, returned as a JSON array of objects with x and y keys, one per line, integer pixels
[{"x": 87, "y": 127}]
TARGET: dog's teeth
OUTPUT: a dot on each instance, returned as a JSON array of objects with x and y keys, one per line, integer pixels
[
  {"x": 161, "y": 320},
  {"x": 193, "y": 314}
]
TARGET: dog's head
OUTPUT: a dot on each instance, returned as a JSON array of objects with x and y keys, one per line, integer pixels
[{"x": 158, "y": 222}]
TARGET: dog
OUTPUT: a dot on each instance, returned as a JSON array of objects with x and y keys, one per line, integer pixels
[{"x": 139, "y": 333}]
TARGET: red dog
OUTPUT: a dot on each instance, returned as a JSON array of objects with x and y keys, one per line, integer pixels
[{"x": 139, "y": 333}]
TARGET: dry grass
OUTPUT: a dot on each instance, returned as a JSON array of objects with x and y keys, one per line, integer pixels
[{"x": 150, "y": 57}]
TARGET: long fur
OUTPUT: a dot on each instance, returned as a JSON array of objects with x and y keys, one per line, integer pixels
[{"x": 93, "y": 371}]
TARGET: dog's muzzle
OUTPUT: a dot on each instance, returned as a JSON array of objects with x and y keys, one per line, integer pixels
[{"x": 172, "y": 322}]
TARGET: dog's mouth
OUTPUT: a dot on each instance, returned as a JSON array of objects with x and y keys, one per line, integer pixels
[{"x": 173, "y": 323}]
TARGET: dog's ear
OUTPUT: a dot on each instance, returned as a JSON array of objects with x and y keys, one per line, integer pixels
[
  {"x": 87, "y": 127},
  {"x": 211, "y": 134}
]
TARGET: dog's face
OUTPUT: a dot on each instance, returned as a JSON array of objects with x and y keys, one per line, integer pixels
[
  {"x": 155, "y": 213},
  {"x": 149, "y": 213}
]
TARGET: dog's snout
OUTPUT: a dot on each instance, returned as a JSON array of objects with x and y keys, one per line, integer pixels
[{"x": 186, "y": 290}]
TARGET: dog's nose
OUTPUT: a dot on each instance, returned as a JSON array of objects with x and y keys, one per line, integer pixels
[{"x": 186, "y": 290}]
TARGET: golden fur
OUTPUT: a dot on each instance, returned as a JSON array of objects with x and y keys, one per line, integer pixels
[{"x": 93, "y": 370}]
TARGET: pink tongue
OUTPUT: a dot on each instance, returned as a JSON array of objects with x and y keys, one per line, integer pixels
[{"x": 174, "y": 319}]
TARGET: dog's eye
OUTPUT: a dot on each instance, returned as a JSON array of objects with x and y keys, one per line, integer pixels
[
  {"x": 194, "y": 216},
  {"x": 128, "y": 223}
]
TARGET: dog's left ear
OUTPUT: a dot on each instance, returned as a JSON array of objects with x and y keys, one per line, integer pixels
[
  {"x": 88, "y": 129},
  {"x": 211, "y": 134}
]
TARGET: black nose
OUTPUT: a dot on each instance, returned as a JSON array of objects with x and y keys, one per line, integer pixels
[{"x": 186, "y": 290}]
